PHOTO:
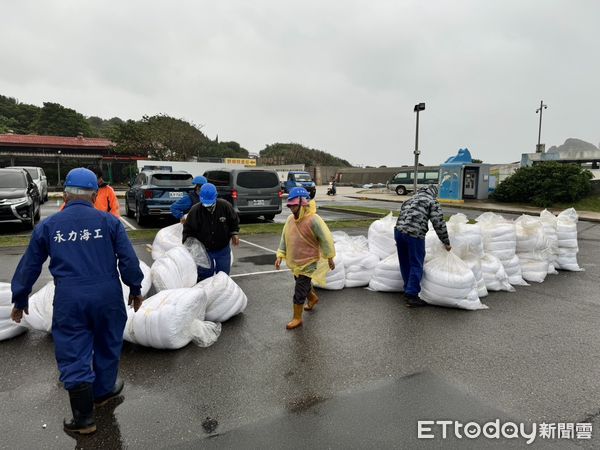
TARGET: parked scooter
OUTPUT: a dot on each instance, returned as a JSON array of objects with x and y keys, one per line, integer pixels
[{"x": 331, "y": 188}]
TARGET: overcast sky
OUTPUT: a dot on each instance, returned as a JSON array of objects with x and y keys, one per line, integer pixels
[{"x": 339, "y": 76}]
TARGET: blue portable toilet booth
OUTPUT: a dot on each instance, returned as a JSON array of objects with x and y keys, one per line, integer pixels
[{"x": 461, "y": 178}]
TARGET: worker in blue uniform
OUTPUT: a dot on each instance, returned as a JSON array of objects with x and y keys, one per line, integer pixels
[
  {"x": 88, "y": 250},
  {"x": 182, "y": 206}
]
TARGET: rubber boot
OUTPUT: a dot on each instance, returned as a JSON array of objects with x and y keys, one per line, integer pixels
[
  {"x": 297, "y": 320},
  {"x": 82, "y": 405},
  {"x": 116, "y": 390},
  {"x": 413, "y": 301},
  {"x": 313, "y": 299}
]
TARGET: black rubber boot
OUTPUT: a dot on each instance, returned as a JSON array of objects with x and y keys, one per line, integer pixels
[
  {"x": 112, "y": 394},
  {"x": 82, "y": 405},
  {"x": 414, "y": 301}
]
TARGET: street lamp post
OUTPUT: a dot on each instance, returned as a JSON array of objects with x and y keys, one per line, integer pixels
[
  {"x": 538, "y": 148},
  {"x": 58, "y": 162},
  {"x": 418, "y": 107}
]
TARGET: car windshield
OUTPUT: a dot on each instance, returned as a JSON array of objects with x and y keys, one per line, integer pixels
[
  {"x": 32, "y": 172},
  {"x": 171, "y": 179},
  {"x": 12, "y": 179},
  {"x": 257, "y": 180},
  {"x": 302, "y": 177}
]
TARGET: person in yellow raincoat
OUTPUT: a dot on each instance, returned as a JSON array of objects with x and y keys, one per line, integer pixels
[{"x": 307, "y": 246}]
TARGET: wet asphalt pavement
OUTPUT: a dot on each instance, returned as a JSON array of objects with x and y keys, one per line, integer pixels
[{"x": 359, "y": 374}]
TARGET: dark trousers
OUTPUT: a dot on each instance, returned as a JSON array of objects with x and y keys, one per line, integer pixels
[
  {"x": 87, "y": 327},
  {"x": 220, "y": 261},
  {"x": 303, "y": 287},
  {"x": 411, "y": 254}
]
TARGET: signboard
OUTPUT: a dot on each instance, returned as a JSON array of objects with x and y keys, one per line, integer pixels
[{"x": 248, "y": 162}]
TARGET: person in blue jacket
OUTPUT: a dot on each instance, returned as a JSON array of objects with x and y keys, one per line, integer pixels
[
  {"x": 182, "y": 206},
  {"x": 88, "y": 251}
]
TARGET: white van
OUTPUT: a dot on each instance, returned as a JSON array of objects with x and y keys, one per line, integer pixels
[{"x": 39, "y": 178}]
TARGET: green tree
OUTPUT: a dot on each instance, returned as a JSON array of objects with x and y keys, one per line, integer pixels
[
  {"x": 292, "y": 153},
  {"x": 56, "y": 120},
  {"x": 544, "y": 184},
  {"x": 160, "y": 137}
]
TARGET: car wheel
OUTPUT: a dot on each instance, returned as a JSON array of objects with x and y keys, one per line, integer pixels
[
  {"x": 139, "y": 218},
  {"x": 128, "y": 212},
  {"x": 46, "y": 197},
  {"x": 30, "y": 224},
  {"x": 37, "y": 215},
  {"x": 313, "y": 193},
  {"x": 401, "y": 190},
  {"x": 269, "y": 216}
]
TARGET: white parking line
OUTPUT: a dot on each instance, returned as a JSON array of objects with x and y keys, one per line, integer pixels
[
  {"x": 127, "y": 224},
  {"x": 258, "y": 273},
  {"x": 259, "y": 246}
]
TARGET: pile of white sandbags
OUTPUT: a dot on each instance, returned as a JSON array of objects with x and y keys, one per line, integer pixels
[
  {"x": 386, "y": 276},
  {"x": 467, "y": 244},
  {"x": 359, "y": 263},
  {"x": 381, "y": 237},
  {"x": 171, "y": 319},
  {"x": 494, "y": 275},
  {"x": 448, "y": 281},
  {"x": 532, "y": 248},
  {"x": 176, "y": 269},
  {"x": 549, "y": 222},
  {"x": 500, "y": 239},
  {"x": 8, "y": 328},
  {"x": 566, "y": 229},
  {"x": 225, "y": 298}
]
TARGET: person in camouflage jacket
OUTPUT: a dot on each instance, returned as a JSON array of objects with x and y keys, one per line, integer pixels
[{"x": 411, "y": 227}]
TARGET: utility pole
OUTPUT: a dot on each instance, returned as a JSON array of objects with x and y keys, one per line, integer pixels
[
  {"x": 418, "y": 107},
  {"x": 539, "y": 148}
]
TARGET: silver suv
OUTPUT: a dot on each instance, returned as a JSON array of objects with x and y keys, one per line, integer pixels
[{"x": 39, "y": 178}]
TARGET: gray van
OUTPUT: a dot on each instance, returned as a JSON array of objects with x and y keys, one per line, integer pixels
[{"x": 252, "y": 192}]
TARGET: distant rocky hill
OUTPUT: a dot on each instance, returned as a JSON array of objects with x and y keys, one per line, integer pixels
[{"x": 573, "y": 145}]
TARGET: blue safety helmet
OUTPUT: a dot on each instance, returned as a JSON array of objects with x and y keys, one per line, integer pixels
[
  {"x": 298, "y": 192},
  {"x": 199, "y": 180},
  {"x": 208, "y": 194},
  {"x": 82, "y": 178}
]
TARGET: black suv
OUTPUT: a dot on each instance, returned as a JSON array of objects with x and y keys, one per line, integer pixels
[
  {"x": 154, "y": 191},
  {"x": 19, "y": 197},
  {"x": 252, "y": 192}
]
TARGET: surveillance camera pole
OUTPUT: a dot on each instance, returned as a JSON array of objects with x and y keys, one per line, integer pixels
[{"x": 418, "y": 107}]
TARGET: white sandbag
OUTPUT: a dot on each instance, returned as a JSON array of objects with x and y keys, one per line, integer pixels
[
  {"x": 474, "y": 263},
  {"x": 448, "y": 281},
  {"x": 494, "y": 275},
  {"x": 176, "y": 269},
  {"x": 381, "y": 237},
  {"x": 165, "y": 320},
  {"x": 387, "y": 276},
  {"x": 499, "y": 238},
  {"x": 8, "y": 328},
  {"x": 335, "y": 278},
  {"x": 359, "y": 266},
  {"x": 549, "y": 223},
  {"x": 146, "y": 281},
  {"x": 566, "y": 229},
  {"x": 205, "y": 333},
  {"x": 40, "y": 309},
  {"x": 166, "y": 239},
  {"x": 225, "y": 298},
  {"x": 532, "y": 248},
  {"x": 465, "y": 237}
]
